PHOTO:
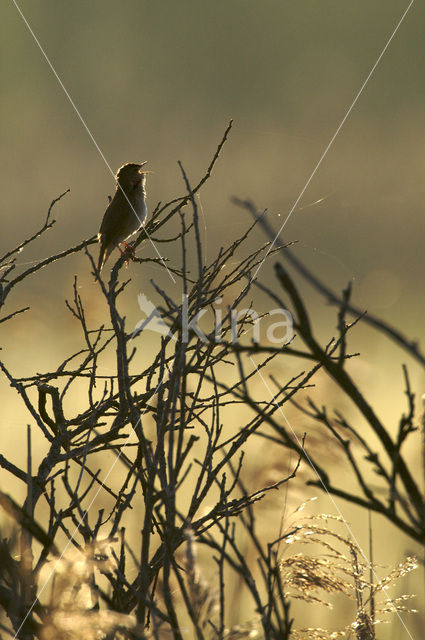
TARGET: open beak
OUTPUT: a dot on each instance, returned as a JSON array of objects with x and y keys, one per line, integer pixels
[{"x": 142, "y": 164}]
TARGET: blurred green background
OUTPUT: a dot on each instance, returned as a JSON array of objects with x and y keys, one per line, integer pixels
[{"x": 160, "y": 81}]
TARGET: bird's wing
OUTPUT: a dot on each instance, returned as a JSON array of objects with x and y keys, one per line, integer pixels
[
  {"x": 109, "y": 221},
  {"x": 108, "y": 229}
]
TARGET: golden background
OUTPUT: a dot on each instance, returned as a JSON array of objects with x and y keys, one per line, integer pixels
[{"x": 159, "y": 81}]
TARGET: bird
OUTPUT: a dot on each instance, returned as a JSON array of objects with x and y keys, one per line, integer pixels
[{"x": 126, "y": 212}]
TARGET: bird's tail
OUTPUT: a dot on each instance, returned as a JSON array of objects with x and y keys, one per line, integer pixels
[
  {"x": 103, "y": 256},
  {"x": 102, "y": 259}
]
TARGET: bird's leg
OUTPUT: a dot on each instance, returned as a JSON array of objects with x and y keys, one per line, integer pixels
[
  {"x": 130, "y": 249},
  {"x": 128, "y": 252},
  {"x": 123, "y": 254}
]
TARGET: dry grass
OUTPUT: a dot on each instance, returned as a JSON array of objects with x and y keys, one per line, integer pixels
[
  {"x": 328, "y": 564},
  {"x": 339, "y": 568}
]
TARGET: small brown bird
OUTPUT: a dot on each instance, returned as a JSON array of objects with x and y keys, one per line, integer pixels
[{"x": 126, "y": 212}]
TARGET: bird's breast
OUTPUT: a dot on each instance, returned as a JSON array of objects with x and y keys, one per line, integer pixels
[{"x": 140, "y": 207}]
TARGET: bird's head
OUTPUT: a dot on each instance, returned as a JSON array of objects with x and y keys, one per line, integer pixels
[{"x": 131, "y": 174}]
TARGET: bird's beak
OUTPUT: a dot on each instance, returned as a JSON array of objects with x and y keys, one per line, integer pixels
[{"x": 142, "y": 164}]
